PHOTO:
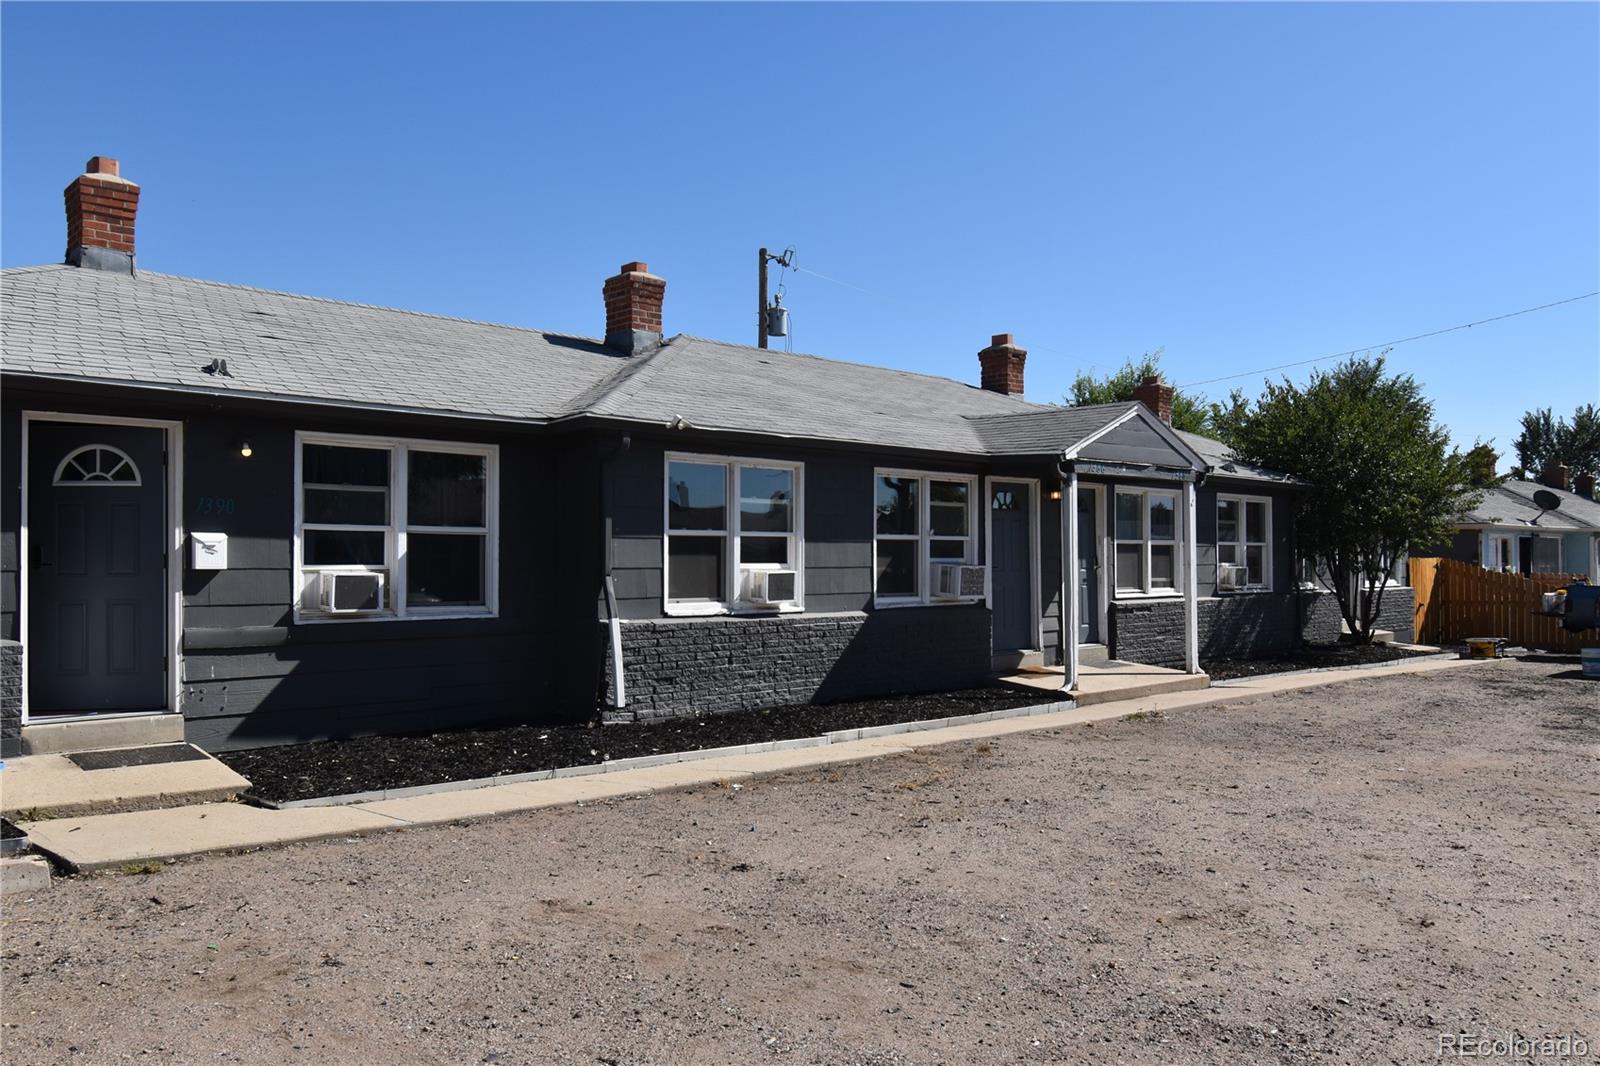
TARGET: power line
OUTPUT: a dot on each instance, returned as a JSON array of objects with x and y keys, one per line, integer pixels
[
  {"x": 1249, "y": 373},
  {"x": 1391, "y": 344}
]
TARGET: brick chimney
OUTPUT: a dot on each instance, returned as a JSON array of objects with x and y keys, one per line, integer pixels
[
  {"x": 101, "y": 205},
  {"x": 633, "y": 309},
  {"x": 1554, "y": 475},
  {"x": 1583, "y": 485},
  {"x": 1156, "y": 395},
  {"x": 1002, "y": 365}
]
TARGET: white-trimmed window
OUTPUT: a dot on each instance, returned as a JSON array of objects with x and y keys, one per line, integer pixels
[
  {"x": 730, "y": 523},
  {"x": 1244, "y": 538},
  {"x": 417, "y": 518},
  {"x": 1146, "y": 539},
  {"x": 920, "y": 520}
]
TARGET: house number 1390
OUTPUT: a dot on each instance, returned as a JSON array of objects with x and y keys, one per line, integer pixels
[{"x": 214, "y": 505}]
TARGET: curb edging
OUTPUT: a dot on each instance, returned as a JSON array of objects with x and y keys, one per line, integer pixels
[{"x": 644, "y": 762}]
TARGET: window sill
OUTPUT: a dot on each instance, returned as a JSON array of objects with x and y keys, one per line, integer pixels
[
  {"x": 694, "y": 610},
  {"x": 1165, "y": 594},
  {"x": 386, "y": 616},
  {"x": 1250, "y": 590},
  {"x": 722, "y": 610},
  {"x": 891, "y": 604}
]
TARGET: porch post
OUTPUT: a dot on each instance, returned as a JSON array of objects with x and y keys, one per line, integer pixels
[
  {"x": 1071, "y": 580},
  {"x": 1191, "y": 583}
]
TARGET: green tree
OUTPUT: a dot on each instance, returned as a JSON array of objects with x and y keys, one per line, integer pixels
[
  {"x": 1547, "y": 439},
  {"x": 1189, "y": 413},
  {"x": 1381, "y": 477},
  {"x": 1482, "y": 461}
]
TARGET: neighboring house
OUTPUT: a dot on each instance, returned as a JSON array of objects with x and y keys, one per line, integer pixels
[
  {"x": 260, "y": 518},
  {"x": 1509, "y": 531}
]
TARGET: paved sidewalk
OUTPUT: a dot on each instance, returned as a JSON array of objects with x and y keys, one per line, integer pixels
[
  {"x": 57, "y": 785},
  {"x": 113, "y": 840}
]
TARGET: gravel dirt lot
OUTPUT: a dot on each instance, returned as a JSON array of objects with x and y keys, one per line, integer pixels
[{"x": 1331, "y": 875}]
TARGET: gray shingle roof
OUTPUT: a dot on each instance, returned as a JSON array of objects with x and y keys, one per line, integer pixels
[
  {"x": 1045, "y": 430},
  {"x": 1223, "y": 465},
  {"x": 157, "y": 329},
  {"x": 716, "y": 386},
  {"x": 1511, "y": 504}
]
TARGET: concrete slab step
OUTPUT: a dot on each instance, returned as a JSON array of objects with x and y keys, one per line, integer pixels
[
  {"x": 1142, "y": 689},
  {"x": 92, "y": 734},
  {"x": 53, "y": 785}
]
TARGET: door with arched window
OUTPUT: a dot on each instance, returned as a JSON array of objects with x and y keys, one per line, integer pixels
[{"x": 96, "y": 569}]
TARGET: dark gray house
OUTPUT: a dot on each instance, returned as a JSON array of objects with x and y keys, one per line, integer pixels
[{"x": 249, "y": 517}]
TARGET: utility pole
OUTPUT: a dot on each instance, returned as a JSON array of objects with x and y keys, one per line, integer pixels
[
  {"x": 763, "y": 257},
  {"x": 761, "y": 299}
]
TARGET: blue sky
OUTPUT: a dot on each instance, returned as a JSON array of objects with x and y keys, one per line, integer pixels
[{"x": 1242, "y": 184}]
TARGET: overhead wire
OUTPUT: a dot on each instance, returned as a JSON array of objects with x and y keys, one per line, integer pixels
[{"x": 1385, "y": 345}]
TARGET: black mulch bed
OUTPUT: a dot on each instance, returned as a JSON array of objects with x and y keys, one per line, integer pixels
[
  {"x": 1309, "y": 657},
  {"x": 367, "y": 764}
]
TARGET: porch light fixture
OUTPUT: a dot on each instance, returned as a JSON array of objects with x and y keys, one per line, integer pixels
[
  {"x": 1054, "y": 494},
  {"x": 245, "y": 449}
]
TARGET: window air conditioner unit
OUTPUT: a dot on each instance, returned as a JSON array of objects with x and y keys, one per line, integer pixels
[
  {"x": 957, "y": 581},
  {"x": 348, "y": 593},
  {"x": 769, "y": 588},
  {"x": 1231, "y": 576}
]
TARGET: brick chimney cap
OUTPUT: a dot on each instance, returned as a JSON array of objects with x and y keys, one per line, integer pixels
[
  {"x": 635, "y": 267},
  {"x": 1153, "y": 379},
  {"x": 103, "y": 164},
  {"x": 1000, "y": 339}
]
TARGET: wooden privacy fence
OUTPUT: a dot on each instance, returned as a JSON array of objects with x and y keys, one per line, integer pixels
[{"x": 1457, "y": 600}]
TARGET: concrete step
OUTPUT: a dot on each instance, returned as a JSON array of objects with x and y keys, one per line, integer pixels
[
  {"x": 1089, "y": 696},
  {"x": 51, "y": 786},
  {"x": 95, "y": 734},
  {"x": 1092, "y": 654},
  {"x": 1004, "y": 662}
]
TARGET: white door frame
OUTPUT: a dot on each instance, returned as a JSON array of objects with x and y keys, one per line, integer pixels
[
  {"x": 1102, "y": 594},
  {"x": 1033, "y": 553},
  {"x": 172, "y": 442}
]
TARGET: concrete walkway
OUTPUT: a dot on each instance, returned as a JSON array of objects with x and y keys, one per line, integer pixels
[
  {"x": 54, "y": 785},
  {"x": 1107, "y": 682},
  {"x": 114, "y": 840}
]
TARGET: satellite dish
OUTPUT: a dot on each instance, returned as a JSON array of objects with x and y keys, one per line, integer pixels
[{"x": 1546, "y": 500}]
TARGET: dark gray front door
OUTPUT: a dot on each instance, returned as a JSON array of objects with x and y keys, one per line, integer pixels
[
  {"x": 1088, "y": 570},
  {"x": 96, "y": 577},
  {"x": 1011, "y": 563}
]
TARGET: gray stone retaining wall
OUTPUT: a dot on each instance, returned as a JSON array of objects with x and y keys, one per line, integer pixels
[
  {"x": 1243, "y": 626},
  {"x": 687, "y": 666},
  {"x": 1253, "y": 624},
  {"x": 1398, "y": 612},
  {"x": 1322, "y": 622},
  {"x": 10, "y": 698},
  {"x": 1230, "y": 626}
]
